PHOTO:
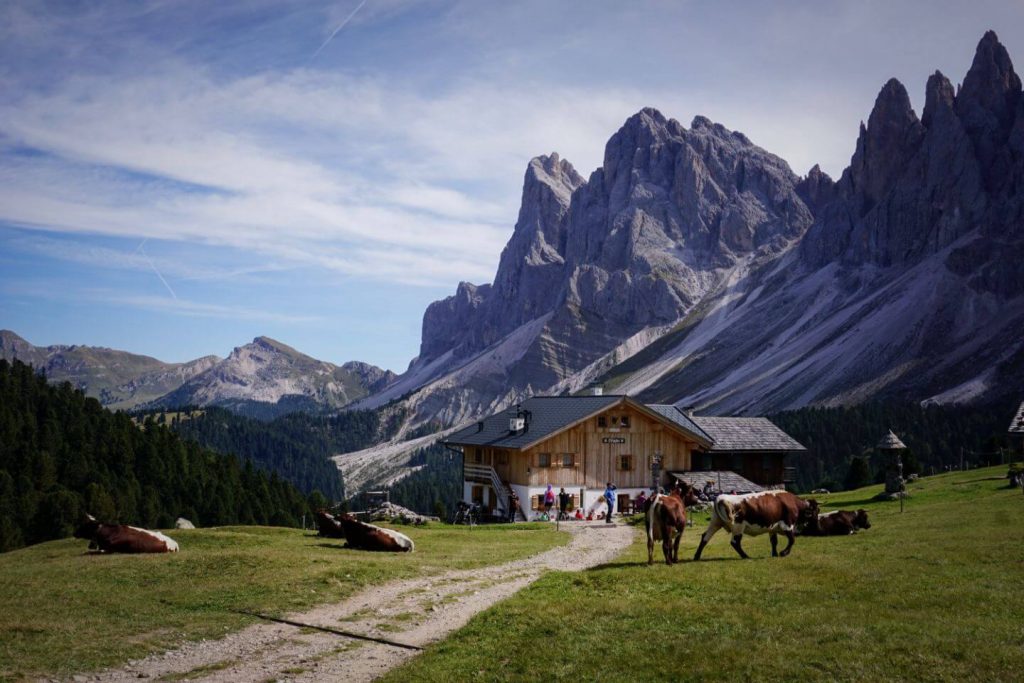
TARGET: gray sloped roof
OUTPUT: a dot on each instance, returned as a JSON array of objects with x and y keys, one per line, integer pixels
[
  {"x": 1017, "y": 424},
  {"x": 548, "y": 415},
  {"x": 746, "y": 434},
  {"x": 679, "y": 417},
  {"x": 724, "y": 480},
  {"x": 890, "y": 442}
]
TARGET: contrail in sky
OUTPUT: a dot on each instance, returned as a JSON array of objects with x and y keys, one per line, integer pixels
[
  {"x": 335, "y": 32},
  {"x": 140, "y": 250}
]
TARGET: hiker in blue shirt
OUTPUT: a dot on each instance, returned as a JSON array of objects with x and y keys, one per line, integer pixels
[{"x": 609, "y": 497}]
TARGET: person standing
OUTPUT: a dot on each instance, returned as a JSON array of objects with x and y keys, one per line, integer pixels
[
  {"x": 549, "y": 501},
  {"x": 609, "y": 497},
  {"x": 513, "y": 506},
  {"x": 563, "y": 503}
]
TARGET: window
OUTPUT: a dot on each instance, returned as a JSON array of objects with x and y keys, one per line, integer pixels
[
  {"x": 478, "y": 495},
  {"x": 602, "y": 422},
  {"x": 624, "y": 463},
  {"x": 624, "y": 421},
  {"x": 615, "y": 420},
  {"x": 543, "y": 460},
  {"x": 568, "y": 459}
]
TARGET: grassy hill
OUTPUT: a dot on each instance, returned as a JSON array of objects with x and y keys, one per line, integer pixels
[
  {"x": 64, "y": 611},
  {"x": 930, "y": 594}
]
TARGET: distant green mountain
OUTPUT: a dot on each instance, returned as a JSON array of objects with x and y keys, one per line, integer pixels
[
  {"x": 119, "y": 379},
  {"x": 263, "y": 379}
]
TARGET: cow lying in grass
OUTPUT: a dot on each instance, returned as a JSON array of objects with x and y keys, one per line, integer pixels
[
  {"x": 837, "y": 523},
  {"x": 666, "y": 520},
  {"x": 771, "y": 512},
  {"x": 361, "y": 535},
  {"x": 118, "y": 538},
  {"x": 328, "y": 525}
]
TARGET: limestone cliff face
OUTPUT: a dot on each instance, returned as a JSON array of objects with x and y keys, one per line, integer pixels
[
  {"x": 591, "y": 263},
  {"x": 914, "y": 188},
  {"x": 694, "y": 266},
  {"x": 530, "y": 273}
]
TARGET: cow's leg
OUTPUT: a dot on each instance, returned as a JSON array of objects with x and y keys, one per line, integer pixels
[
  {"x": 650, "y": 542},
  {"x": 675, "y": 546},
  {"x": 775, "y": 543},
  {"x": 737, "y": 544},
  {"x": 714, "y": 526},
  {"x": 790, "y": 537}
]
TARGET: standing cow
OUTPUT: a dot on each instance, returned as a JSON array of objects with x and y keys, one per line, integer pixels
[
  {"x": 666, "y": 520},
  {"x": 118, "y": 538},
  {"x": 770, "y": 512}
]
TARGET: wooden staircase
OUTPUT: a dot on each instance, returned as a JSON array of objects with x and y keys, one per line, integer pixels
[{"x": 485, "y": 474}]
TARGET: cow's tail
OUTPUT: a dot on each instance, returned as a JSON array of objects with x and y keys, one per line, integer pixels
[
  {"x": 653, "y": 528},
  {"x": 721, "y": 509}
]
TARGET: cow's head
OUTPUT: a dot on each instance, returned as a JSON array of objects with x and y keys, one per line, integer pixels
[
  {"x": 860, "y": 521},
  {"x": 808, "y": 514},
  {"x": 688, "y": 494},
  {"x": 87, "y": 527}
]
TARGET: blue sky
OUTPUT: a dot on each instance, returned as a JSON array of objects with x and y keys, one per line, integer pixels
[{"x": 177, "y": 178}]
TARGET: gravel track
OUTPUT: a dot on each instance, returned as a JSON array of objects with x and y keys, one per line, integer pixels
[{"x": 417, "y": 611}]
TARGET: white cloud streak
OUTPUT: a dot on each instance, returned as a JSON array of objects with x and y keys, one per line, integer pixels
[{"x": 335, "y": 31}]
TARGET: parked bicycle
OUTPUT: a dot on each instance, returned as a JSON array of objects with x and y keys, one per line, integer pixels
[{"x": 466, "y": 513}]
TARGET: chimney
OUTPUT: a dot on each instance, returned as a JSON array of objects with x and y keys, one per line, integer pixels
[
  {"x": 690, "y": 411},
  {"x": 597, "y": 391}
]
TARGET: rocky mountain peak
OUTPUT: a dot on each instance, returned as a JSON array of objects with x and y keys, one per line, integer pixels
[
  {"x": 893, "y": 133},
  {"x": 991, "y": 81},
  {"x": 939, "y": 96},
  {"x": 987, "y": 106}
]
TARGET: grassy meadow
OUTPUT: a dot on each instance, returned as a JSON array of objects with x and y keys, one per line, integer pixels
[
  {"x": 63, "y": 610},
  {"x": 932, "y": 594}
]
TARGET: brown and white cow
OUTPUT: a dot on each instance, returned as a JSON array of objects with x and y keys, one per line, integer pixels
[
  {"x": 363, "y": 536},
  {"x": 666, "y": 520},
  {"x": 770, "y": 512},
  {"x": 837, "y": 523},
  {"x": 328, "y": 525},
  {"x": 119, "y": 538}
]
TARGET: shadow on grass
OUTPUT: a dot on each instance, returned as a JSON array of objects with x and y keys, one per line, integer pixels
[
  {"x": 661, "y": 560},
  {"x": 333, "y": 546}
]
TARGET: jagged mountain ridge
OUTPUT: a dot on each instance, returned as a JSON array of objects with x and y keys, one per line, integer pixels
[
  {"x": 264, "y": 376},
  {"x": 697, "y": 268},
  {"x": 266, "y": 371},
  {"x": 119, "y": 379},
  {"x": 635, "y": 247}
]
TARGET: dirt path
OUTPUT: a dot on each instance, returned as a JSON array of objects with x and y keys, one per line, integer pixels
[{"x": 413, "y": 611}]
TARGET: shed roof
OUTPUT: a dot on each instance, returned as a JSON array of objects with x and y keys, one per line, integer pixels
[
  {"x": 724, "y": 480},
  {"x": 746, "y": 434},
  {"x": 890, "y": 442},
  {"x": 1017, "y": 424}
]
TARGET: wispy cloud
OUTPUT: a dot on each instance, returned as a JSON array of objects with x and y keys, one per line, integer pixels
[{"x": 204, "y": 310}]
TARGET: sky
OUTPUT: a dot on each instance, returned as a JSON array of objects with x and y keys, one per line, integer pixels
[{"x": 177, "y": 178}]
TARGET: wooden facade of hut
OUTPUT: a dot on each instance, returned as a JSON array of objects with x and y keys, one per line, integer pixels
[{"x": 581, "y": 442}]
